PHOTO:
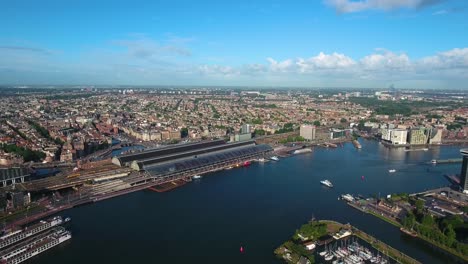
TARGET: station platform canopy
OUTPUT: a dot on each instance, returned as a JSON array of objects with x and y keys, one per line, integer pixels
[{"x": 203, "y": 160}]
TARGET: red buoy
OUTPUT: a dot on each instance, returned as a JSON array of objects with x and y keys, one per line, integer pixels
[{"x": 241, "y": 249}]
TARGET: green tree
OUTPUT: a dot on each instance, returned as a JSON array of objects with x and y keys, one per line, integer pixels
[
  {"x": 257, "y": 121},
  {"x": 419, "y": 205},
  {"x": 451, "y": 235},
  {"x": 316, "y": 123},
  {"x": 465, "y": 209},
  {"x": 259, "y": 132},
  {"x": 184, "y": 132},
  {"x": 361, "y": 125},
  {"x": 427, "y": 220},
  {"x": 409, "y": 221}
]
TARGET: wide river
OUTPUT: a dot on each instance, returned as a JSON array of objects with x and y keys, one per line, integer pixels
[{"x": 258, "y": 207}]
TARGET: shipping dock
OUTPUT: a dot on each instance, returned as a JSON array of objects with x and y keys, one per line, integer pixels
[{"x": 168, "y": 186}]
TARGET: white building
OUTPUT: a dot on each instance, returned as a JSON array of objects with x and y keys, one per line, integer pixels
[
  {"x": 245, "y": 129},
  {"x": 396, "y": 136},
  {"x": 307, "y": 132}
]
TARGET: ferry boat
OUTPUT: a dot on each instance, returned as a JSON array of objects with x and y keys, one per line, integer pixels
[
  {"x": 197, "y": 177},
  {"x": 327, "y": 183},
  {"x": 392, "y": 170},
  {"x": 348, "y": 197},
  {"x": 28, "y": 249},
  {"x": 29, "y": 231}
]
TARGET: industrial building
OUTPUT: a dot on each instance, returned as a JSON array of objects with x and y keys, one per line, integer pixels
[
  {"x": 307, "y": 132},
  {"x": 395, "y": 136},
  {"x": 193, "y": 158},
  {"x": 464, "y": 171},
  {"x": 244, "y": 135}
]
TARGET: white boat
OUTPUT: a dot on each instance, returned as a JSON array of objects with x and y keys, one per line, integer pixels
[
  {"x": 323, "y": 253},
  {"x": 327, "y": 183},
  {"x": 329, "y": 257},
  {"x": 348, "y": 197},
  {"x": 261, "y": 160},
  {"x": 392, "y": 170},
  {"x": 196, "y": 177},
  {"x": 434, "y": 161},
  {"x": 275, "y": 158}
]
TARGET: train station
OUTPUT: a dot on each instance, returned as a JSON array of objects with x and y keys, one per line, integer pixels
[{"x": 192, "y": 158}]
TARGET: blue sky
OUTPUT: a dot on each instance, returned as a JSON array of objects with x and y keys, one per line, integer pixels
[{"x": 314, "y": 43}]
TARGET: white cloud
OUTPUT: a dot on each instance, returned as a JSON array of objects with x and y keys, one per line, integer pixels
[
  {"x": 280, "y": 66},
  {"x": 381, "y": 65},
  {"x": 349, "y": 6},
  {"x": 385, "y": 60},
  {"x": 322, "y": 61},
  {"x": 451, "y": 59},
  {"x": 136, "y": 65}
]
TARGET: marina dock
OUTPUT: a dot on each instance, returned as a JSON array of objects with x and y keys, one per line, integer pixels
[
  {"x": 336, "y": 242},
  {"x": 445, "y": 161}
]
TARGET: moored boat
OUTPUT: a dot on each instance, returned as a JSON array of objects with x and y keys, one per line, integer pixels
[
  {"x": 347, "y": 197},
  {"x": 327, "y": 183},
  {"x": 275, "y": 158}
]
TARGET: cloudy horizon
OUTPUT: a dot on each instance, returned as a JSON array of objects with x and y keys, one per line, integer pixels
[{"x": 332, "y": 43}]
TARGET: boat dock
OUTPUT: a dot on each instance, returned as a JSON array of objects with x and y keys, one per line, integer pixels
[
  {"x": 340, "y": 244},
  {"x": 445, "y": 161}
]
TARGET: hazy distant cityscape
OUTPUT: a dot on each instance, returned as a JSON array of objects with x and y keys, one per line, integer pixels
[{"x": 65, "y": 125}]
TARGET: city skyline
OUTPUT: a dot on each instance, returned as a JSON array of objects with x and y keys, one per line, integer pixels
[{"x": 334, "y": 43}]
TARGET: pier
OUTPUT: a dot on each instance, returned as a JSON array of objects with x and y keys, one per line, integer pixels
[
  {"x": 393, "y": 253},
  {"x": 328, "y": 232},
  {"x": 445, "y": 161}
]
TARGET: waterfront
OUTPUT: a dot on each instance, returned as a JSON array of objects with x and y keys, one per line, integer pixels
[{"x": 256, "y": 207}]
